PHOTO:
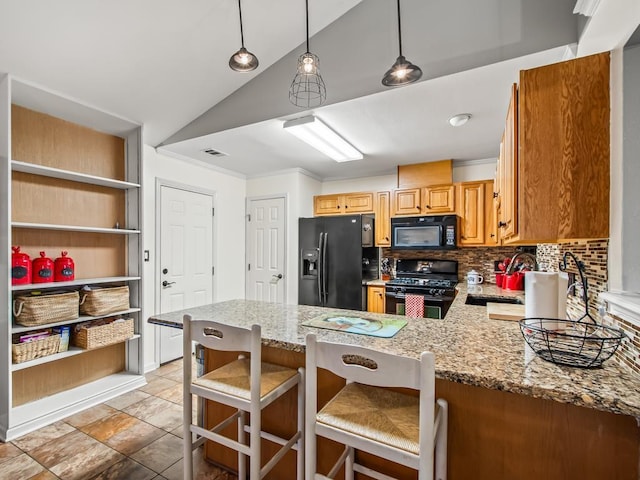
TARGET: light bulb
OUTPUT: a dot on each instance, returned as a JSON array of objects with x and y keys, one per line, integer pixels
[
  {"x": 308, "y": 65},
  {"x": 243, "y": 58},
  {"x": 400, "y": 73}
]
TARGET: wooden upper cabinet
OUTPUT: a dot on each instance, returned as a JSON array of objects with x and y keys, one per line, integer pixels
[
  {"x": 343, "y": 203},
  {"x": 562, "y": 170},
  {"x": 434, "y": 200},
  {"x": 472, "y": 211},
  {"x": 358, "y": 202},
  {"x": 328, "y": 204},
  {"x": 508, "y": 171},
  {"x": 438, "y": 199},
  {"x": 425, "y": 174},
  {"x": 406, "y": 202},
  {"x": 491, "y": 237},
  {"x": 383, "y": 219}
]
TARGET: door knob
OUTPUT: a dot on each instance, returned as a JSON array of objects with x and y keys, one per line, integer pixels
[
  {"x": 279, "y": 276},
  {"x": 166, "y": 284}
]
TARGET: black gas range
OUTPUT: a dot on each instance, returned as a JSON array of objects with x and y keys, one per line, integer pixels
[{"x": 434, "y": 280}]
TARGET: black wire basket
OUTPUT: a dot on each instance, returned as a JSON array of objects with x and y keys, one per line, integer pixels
[{"x": 570, "y": 342}]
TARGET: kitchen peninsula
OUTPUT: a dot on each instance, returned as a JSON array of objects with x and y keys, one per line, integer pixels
[{"x": 512, "y": 415}]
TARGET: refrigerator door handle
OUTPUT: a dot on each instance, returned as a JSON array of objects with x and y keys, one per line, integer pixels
[
  {"x": 320, "y": 271},
  {"x": 324, "y": 268}
]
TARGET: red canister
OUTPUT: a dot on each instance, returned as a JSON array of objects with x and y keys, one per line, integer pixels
[
  {"x": 42, "y": 269},
  {"x": 20, "y": 267},
  {"x": 64, "y": 268}
]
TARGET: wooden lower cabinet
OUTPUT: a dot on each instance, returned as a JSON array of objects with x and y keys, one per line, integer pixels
[
  {"x": 492, "y": 434},
  {"x": 375, "y": 299}
]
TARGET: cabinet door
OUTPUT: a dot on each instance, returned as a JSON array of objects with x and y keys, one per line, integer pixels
[
  {"x": 508, "y": 222},
  {"x": 328, "y": 204},
  {"x": 406, "y": 202},
  {"x": 471, "y": 196},
  {"x": 564, "y": 150},
  {"x": 383, "y": 219},
  {"x": 490, "y": 214},
  {"x": 358, "y": 202},
  {"x": 375, "y": 299},
  {"x": 438, "y": 199}
]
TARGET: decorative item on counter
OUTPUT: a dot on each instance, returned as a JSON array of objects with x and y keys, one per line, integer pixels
[
  {"x": 576, "y": 343},
  {"x": 499, "y": 279},
  {"x": 385, "y": 268},
  {"x": 20, "y": 267},
  {"x": 64, "y": 268},
  {"x": 474, "y": 278},
  {"x": 514, "y": 281},
  {"x": 42, "y": 269}
]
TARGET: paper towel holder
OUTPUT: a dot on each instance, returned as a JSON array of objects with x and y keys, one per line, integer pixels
[{"x": 583, "y": 279}]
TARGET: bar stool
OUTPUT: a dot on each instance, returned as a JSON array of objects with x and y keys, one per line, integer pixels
[
  {"x": 246, "y": 384},
  {"x": 365, "y": 416}
]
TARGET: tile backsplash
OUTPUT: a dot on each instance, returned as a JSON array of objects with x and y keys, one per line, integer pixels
[
  {"x": 480, "y": 259},
  {"x": 594, "y": 254}
]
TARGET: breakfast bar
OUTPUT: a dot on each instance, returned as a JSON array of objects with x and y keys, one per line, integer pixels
[{"x": 511, "y": 414}]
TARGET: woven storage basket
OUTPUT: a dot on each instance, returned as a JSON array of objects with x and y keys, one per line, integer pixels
[
  {"x": 23, "y": 352},
  {"x": 103, "y": 301},
  {"x": 101, "y": 334},
  {"x": 34, "y": 310}
]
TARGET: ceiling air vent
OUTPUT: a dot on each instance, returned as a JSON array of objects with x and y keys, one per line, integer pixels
[{"x": 214, "y": 153}]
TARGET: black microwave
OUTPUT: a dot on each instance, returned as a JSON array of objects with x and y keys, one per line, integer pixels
[{"x": 424, "y": 233}]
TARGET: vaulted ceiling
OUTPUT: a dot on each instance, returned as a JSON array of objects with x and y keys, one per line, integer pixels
[{"x": 164, "y": 63}]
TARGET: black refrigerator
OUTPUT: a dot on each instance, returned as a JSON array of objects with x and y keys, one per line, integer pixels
[{"x": 337, "y": 258}]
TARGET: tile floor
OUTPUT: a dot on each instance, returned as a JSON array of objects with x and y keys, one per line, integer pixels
[{"x": 136, "y": 436}]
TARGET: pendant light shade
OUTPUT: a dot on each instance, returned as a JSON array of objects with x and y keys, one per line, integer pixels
[
  {"x": 307, "y": 89},
  {"x": 402, "y": 72},
  {"x": 243, "y": 60}
]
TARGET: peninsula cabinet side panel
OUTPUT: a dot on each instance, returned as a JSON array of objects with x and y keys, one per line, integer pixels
[
  {"x": 495, "y": 435},
  {"x": 564, "y": 118}
]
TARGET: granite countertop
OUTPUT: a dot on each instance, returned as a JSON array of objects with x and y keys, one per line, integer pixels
[{"x": 469, "y": 349}]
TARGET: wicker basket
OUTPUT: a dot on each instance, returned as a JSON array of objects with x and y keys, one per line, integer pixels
[
  {"x": 34, "y": 310},
  {"x": 102, "y": 301},
  {"x": 101, "y": 333},
  {"x": 23, "y": 352}
]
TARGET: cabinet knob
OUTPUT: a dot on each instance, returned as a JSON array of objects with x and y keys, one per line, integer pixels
[
  {"x": 346, "y": 206},
  {"x": 428, "y": 207},
  {"x": 338, "y": 206},
  {"x": 495, "y": 194},
  {"x": 386, "y": 238},
  {"x": 502, "y": 224},
  {"x": 417, "y": 207},
  {"x": 492, "y": 235}
]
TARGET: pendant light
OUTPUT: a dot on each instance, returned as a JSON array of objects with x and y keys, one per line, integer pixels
[
  {"x": 402, "y": 72},
  {"x": 307, "y": 89},
  {"x": 243, "y": 60}
]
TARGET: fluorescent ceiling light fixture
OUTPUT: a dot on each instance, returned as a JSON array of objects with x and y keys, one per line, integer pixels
[{"x": 314, "y": 132}]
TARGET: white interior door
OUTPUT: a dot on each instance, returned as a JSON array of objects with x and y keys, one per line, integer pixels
[
  {"x": 186, "y": 259},
  {"x": 265, "y": 250}
]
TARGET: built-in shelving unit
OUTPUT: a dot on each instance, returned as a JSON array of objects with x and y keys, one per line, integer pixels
[{"x": 70, "y": 178}]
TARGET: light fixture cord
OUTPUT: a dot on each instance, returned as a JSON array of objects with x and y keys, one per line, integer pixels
[
  {"x": 399, "y": 31},
  {"x": 306, "y": 2},
  {"x": 241, "y": 31}
]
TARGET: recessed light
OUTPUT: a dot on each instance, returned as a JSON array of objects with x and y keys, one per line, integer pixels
[{"x": 460, "y": 119}]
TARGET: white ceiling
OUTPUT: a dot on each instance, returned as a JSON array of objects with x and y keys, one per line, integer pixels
[{"x": 164, "y": 63}]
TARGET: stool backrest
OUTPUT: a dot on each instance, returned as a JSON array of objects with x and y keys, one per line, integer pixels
[
  {"x": 218, "y": 336},
  {"x": 371, "y": 367}
]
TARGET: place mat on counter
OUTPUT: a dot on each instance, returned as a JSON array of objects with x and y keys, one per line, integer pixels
[{"x": 362, "y": 325}]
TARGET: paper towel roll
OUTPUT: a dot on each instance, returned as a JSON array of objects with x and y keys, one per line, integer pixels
[
  {"x": 563, "y": 284},
  {"x": 541, "y": 296}
]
